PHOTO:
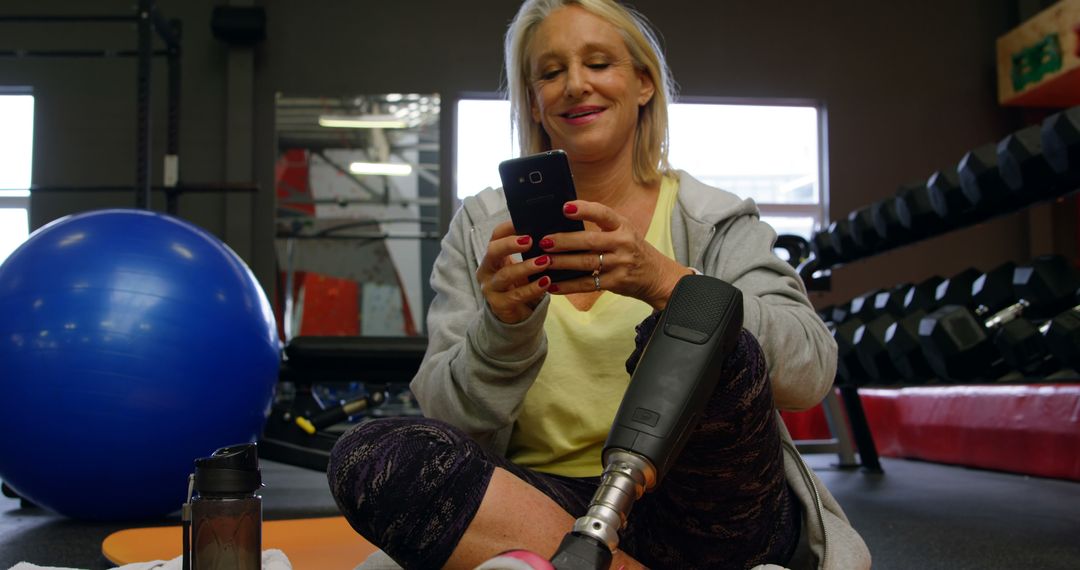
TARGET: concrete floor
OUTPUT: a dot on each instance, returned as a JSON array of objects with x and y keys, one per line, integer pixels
[{"x": 914, "y": 516}]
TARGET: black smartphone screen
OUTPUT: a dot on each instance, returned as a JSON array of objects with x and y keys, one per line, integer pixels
[{"x": 536, "y": 187}]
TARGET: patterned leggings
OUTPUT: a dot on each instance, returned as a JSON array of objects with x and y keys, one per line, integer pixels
[{"x": 412, "y": 486}]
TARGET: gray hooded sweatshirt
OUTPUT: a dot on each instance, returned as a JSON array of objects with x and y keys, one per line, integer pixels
[{"x": 478, "y": 369}]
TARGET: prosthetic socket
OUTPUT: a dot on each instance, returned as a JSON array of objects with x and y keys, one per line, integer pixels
[{"x": 674, "y": 379}]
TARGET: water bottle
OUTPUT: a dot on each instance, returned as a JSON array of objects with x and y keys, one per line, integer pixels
[{"x": 226, "y": 514}]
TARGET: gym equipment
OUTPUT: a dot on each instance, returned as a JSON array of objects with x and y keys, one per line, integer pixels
[
  {"x": 1061, "y": 145},
  {"x": 1039, "y": 349},
  {"x": 149, "y": 22},
  {"x": 870, "y": 340},
  {"x": 863, "y": 231},
  {"x": 887, "y": 223},
  {"x": 842, "y": 241},
  {"x": 325, "y": 381},
  {"x": 132, "y": 342},
  {"x": 948, "y": 199},
  {"x": 915, "y": 211},
  {"x": 795, "y": 247},
  {"x": 901, "y": 337},
  {"x": 1023, "y": 167},
  {"x": 983, "y": 293},
  {"x": 1035, "y": 163},
  {"x": 1062, "y": 336},
  {"x": 876, "y": 334},
  {"x": 849, "y": 371},
  {"x": 960, "y": 347},
  {"x": 821, "y": 245},
  {"x": 856, "y": 343},
  {"x": 865, "y": 308},
  {"x": 980, "y": 181},
  {"x": 326, "y": 542}
]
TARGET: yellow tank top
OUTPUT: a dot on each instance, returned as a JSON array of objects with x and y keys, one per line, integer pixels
[{"x": 568, "y": 411}]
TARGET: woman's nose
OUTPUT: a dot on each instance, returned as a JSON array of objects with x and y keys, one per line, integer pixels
[{"x": 577, "y": 83}]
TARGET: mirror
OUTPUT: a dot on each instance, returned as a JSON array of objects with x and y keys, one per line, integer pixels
[{"x": 357, "y": 183}]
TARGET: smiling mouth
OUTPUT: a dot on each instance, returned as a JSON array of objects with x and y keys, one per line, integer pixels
[{"x": 582, "y": 113}]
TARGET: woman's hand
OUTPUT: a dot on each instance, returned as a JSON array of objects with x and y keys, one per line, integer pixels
[
  {"x": 618, "y": 255},
  {"x": 505, "y": 282}
]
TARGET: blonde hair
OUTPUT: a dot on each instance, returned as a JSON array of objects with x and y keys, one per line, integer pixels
[{"x": 651, "y": 143}]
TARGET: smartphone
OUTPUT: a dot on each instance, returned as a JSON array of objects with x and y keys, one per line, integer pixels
[{"x": 536, "y": 187}]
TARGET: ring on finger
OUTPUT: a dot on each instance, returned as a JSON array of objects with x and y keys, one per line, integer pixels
[
  {"x": 600, "y": 264},
  {"x": 596, "y": 281}
]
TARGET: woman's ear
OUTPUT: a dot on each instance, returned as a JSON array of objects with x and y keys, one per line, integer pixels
[{"x": 648, "y": 89}]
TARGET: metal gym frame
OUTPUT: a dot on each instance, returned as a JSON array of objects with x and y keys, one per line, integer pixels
[{"x": 149, "y": 20}]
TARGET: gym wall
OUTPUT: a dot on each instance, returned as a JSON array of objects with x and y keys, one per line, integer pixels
[{"x": 908, "y": 87}]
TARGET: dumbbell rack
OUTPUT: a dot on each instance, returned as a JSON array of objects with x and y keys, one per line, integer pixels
[{"x": 990, "y": 181}]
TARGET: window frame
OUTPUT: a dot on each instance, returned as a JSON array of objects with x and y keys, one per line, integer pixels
[
  {"x": 19, "y": 198},
  {"x": 818, "y": 211}
]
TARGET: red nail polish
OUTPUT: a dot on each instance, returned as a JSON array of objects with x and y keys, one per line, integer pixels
[
  {"x": 523, "y": 240},
  {"x": 547, "y": 243},
  {"x": 542, "y": 260},
  {"x": 544, "y": 282},
  {"x": 554, "y": 288},
  {"x": 570, "y": 208}
]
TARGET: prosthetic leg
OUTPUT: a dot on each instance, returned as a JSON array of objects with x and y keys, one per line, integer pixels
[{"x": 673, "y": 380}]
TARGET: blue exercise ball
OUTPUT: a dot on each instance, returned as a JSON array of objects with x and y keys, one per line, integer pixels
[{"x": 131, "y": 343}]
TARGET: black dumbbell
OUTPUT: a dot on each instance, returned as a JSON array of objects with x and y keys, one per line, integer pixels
[
  {"x": 835, "y": 314},
  {"x": 1023, "y": 166},
  {"x": 796, "y": 248},
  {"x": 956, "y": 290},
  {"x": 839, "y": 312},
  {"x": 1038, "y": 349},
  {"x": 863, "y": 309},
  {"x": 870, "y": 339},
  {"x": 822, "y": 247},
  {"x": 959, "y": 346},
  {"x": 982, "y": 292},
  {"x": 949, "y": 201},
  {"x": 981, "y": 181},
  {"x": 1027, "y": 347},
  {"x": 993, "y": 290},
  {"x": 863, "y": 232},
  {"x": 915, "y": 209},
  {"x": 842, "y": 241},
  {"x": 848, "y": 370},
  {"x": 1062, "y": 337},
  {"x": 887, "y": 223},
  {"x": 1061, "y": 146},
  {"x": 902, "y": 337}
]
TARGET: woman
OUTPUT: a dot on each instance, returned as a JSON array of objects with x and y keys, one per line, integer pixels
[{"x": 522, "y": 378}]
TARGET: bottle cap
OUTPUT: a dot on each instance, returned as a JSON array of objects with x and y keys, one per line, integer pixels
[{"x": 232, "y": 470}]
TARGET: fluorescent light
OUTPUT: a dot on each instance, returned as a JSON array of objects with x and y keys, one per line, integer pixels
[
  {"x": 362, "y": 122},
  {"x": 380, "y": 168}
]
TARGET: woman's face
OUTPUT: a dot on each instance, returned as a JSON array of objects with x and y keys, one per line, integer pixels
[{"x": 586, "y": 90}]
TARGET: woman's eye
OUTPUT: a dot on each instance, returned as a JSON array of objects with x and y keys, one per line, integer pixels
[
  {"x": 550, "y": 74},
  {"x": 599, "y": 65}
]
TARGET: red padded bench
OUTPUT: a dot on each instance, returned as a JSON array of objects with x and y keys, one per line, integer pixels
[{"x": 1032, "y": 429}]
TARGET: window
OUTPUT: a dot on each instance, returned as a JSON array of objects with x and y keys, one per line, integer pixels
[
  {"x": 16, "y": 146},
  {"x": 768, "y": 152}
]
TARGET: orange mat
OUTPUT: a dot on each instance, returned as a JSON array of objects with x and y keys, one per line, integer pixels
[{"x": 311, "y": 544}]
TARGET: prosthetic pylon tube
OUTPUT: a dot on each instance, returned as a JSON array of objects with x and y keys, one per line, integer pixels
[{"x": 674, "y": 379}]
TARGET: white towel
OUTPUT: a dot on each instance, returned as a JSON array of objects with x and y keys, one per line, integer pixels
[{"x": 272, "y": 559}]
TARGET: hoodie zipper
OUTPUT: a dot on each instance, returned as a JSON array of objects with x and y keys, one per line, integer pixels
[
  {"x": 698, "y": 264},
  {"x": 817, "y": 501}
]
